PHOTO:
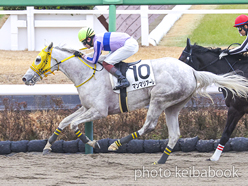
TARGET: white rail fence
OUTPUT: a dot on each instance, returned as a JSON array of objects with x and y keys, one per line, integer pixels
[
  {"x": 31, "y": 29},
  {"x": 55, "y": 89}
]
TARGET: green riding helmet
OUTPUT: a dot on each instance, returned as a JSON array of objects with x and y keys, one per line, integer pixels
[{"x": 85, "y": 33}]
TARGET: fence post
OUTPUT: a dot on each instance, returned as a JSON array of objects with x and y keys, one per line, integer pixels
[
  {"x": 13, "y": 32},
  {"x": 89, "y": 133},
  {"x": 112, "y": 18},
  {"x": 144, "y": 25},
  {"x": 30, "y": 28}
]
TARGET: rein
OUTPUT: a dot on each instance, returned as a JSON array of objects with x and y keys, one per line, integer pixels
[
  {"x": 94, "y": 69},
  {"x": 209, "y": 64},
  {"x": 216, "y": 61}
]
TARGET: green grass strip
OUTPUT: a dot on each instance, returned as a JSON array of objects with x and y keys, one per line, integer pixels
[{"x": 216, "y": 30}]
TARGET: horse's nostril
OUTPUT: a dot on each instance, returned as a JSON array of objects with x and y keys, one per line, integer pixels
[{"x": 24, "y": 79}]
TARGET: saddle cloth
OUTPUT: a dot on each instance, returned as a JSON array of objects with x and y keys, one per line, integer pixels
[{"x": 139, "y": 74}]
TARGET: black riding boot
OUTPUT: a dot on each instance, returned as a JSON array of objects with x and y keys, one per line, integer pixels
[{"x": 123, "y": 82}]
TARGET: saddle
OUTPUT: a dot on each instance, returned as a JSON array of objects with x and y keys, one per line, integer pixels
[{"x": 123, "y": 67}]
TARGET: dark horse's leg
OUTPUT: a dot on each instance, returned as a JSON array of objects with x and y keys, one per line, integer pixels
[{"x": 234, "y": 115}]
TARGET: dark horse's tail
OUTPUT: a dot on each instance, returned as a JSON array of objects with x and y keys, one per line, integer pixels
[{"x": 237, "y": 84}]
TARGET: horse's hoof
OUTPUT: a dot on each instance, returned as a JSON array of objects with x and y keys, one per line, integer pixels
[
  {"x": 46, "y": 151},
  {"x": 212, "y": 159},
  {"x": 208, "y": 159},
  {"x": 155, "y": 163},
  {"x": 97, "y": 146},
  {"x": 94, "y": 144},
  {"x": 113, "y": 147}
]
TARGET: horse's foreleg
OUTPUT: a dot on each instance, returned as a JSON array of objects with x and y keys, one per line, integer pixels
[
  {"x": 89, "y": 115},
  {"x": 233, "y": 117},
  {"x": 65, "y": 122}
]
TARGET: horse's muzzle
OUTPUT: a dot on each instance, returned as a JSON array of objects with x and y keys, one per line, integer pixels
[
  {"x": 27, "y": 81},
  {"x": 24, "y": 79}
]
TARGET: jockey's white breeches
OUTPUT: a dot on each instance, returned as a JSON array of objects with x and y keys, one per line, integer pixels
[{"x": 130, "y": 47}]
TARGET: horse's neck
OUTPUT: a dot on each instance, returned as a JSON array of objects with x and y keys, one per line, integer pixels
[
  {"x": 73, "y": 68},
  {"x": 212, "y": 63},
  {"x": 206, "y": 61}
]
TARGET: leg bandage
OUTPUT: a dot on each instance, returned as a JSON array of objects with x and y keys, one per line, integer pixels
[
  {"x": 81, "y": 136},
  {"x": 217, "y": 153},
  {"x": 165, "y": 155},
  {"x": 56, "y": 133},
  {"x": 129, "y": 138}
]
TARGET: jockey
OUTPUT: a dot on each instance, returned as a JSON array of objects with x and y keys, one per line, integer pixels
[
  {"x": 120, "y": 45},
  {"x": 241, "y": 23}
]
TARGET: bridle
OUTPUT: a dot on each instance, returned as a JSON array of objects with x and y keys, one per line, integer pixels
[
  {"x": 45, "y": 65},
  {"x": 189, "y": 57}
]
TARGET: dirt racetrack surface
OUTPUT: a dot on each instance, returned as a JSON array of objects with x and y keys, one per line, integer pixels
[{"x": 31, "y": 169}]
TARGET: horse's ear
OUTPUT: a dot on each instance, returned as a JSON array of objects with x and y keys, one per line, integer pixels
[
  {"x": 50, "y": 46},
  {"x": 48, "y": 49},
  {"x": 188, "y": 43}
]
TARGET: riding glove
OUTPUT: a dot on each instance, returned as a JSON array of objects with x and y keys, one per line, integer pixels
[
  {"x": 224, "y": 53},
  {"x": 78, "y": 54}
]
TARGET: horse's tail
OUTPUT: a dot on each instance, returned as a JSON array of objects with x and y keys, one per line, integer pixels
[{"x": 238, "y": 85}]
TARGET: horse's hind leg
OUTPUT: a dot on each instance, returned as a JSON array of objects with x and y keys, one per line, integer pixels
[
  {"x": 153, "y": 114},
  {"x": 174, "y": 132}
]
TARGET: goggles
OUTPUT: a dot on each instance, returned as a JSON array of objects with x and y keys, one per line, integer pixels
[
  {"x": 84, "y": 42},
  {"x": 240, "y": 28}
]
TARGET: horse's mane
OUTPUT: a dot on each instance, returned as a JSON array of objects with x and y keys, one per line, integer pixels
[
  {"x": 69, "y": 50},
  {"x": 72, "y": 51},
  {"x": 201, "y": 49}
]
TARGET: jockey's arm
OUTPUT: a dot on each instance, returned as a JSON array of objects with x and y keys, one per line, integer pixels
[
  {"x": 101, "y": 57},
  {"x": 242, "y": 48},
  {"x": 96, "y": 55}
]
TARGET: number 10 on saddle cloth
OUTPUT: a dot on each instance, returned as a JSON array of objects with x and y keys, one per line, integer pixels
[{"x": 139, "y": 75}]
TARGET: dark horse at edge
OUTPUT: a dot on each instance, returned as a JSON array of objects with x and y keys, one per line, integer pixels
[{"x": 207, "y": 59}]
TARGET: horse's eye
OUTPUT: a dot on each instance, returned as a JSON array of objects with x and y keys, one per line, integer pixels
[{"x": 38, "y": 60}]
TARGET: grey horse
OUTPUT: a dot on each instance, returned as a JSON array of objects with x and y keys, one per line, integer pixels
[{"x": 176, "y": 83}]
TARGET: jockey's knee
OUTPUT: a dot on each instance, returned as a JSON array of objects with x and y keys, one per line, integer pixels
[{"x": 107, "y": 66}]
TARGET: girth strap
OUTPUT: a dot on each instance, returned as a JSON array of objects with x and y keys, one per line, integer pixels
[{"x": 123, "y": 91}]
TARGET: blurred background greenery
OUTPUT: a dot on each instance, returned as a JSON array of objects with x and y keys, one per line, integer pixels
[{"x": 217, "y": 29}]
